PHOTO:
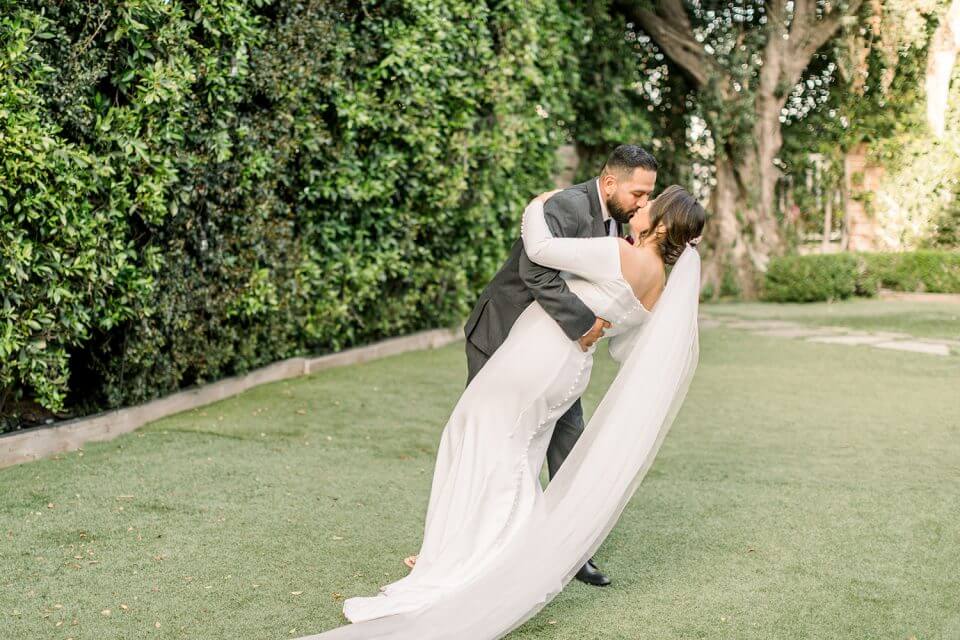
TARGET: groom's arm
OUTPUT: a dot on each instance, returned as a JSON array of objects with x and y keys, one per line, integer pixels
[{"x": 548, "y": 288}]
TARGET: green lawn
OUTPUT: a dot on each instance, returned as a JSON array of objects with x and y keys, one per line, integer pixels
[
  {"x": 922, "y": 319},
  {"x": 805, "y": 491}
]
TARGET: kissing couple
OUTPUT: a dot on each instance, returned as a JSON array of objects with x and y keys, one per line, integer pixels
[{"x": 497, "y": 546}]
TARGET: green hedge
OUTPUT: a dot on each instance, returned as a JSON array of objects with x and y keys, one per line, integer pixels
[
  {"x": 925, "y": 270},
  {"x": 810, "y": 278},
  {"x": 190, "y": 190},
  {"x": 813, "y": 278}
]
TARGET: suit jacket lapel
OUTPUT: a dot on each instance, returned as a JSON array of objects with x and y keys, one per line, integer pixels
[{"x": 599, "y": 229}]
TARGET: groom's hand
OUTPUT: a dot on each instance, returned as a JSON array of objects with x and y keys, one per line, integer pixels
[{"x": 596, "y": 332}]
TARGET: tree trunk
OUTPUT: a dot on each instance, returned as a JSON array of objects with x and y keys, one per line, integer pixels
[
  {"x": 740, "y": 236},
  {"x": 743, "y": 232},
  {"x": 726, "y": 254},
  {"x": 827, "y": 224},
  {"x": 769, "y": 141}
]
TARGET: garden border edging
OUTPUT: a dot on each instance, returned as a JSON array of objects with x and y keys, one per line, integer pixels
[{"x": 35, "y": 443}]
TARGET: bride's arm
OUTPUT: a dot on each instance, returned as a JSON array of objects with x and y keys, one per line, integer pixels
[{"x": 590, "y": 258}]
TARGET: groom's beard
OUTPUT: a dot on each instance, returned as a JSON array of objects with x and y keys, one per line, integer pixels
[{"x": 618, "y": 213}]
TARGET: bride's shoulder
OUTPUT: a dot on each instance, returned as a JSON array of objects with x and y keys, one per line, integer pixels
[
  {"x": 641, "y": 267},
  {"x": 640, "y": 258}
]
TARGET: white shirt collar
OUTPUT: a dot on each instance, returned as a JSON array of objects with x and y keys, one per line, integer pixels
[{"x": 603, "y": 204}]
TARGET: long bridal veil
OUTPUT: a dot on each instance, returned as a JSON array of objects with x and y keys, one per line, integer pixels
[{"x": 586, "y": 497}]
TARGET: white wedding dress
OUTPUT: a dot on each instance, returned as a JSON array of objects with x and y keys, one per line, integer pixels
[{"x": 497, "y": 547}]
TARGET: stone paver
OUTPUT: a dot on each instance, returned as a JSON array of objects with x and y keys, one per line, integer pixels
[
  {"x": 833, "y": 334},
  {"x": 864, "y": 338},
  {"x": 891, "y": 335},
  {"x": 762, "y": 324},
  {"x": 799, "y": 332},
  {"x": 916, "y": 347},
  {"x": 953, "y": 343}
]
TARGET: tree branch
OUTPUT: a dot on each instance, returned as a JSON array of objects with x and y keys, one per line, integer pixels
[
  {"x": 674, "y": 13},
  {"x": 776, "y": 55},
  {"x": 807, "y": 34},
  {"x": 776, "y": 12},
  {"x": 804, "y": 14},
  {"x": 671, "y": 29}
]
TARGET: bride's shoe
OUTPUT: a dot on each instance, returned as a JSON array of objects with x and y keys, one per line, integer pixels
[{"x": 410, "y": 561}]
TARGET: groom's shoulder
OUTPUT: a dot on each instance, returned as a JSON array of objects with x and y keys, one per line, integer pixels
[{"x": 574, "y": 200}]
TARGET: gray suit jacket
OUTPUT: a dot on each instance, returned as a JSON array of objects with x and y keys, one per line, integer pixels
[{"x": 573, "y": 213}]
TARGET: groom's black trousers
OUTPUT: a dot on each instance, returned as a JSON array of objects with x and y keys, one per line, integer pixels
[{"x": 569, "y": 426}]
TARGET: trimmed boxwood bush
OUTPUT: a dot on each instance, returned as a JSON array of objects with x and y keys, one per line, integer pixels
[
  {"x": 810, "y": 278},
  {"x": 813, "y": 278},
  {"x": 925, "y": 270}
]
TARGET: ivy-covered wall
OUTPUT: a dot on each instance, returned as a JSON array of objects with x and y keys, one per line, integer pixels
[{"x": 191, "y": 189}]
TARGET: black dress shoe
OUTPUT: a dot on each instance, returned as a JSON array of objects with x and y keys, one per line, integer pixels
[{"x": 591, "y": 575}]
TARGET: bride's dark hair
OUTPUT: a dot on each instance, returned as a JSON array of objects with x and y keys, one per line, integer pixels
[{"x": 683, "y": 218}]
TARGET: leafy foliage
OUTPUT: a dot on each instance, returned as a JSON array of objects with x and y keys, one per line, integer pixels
[
  {"x": 868, "y": 88},
  {"x": 194, "y": 189},
  {"x": 810, "y": 278},
  {"x": 611, "y": 103},
  {"x": 836, "y": 276},
  {"x": 924, "y": 270},
  {"x": 69, "y": 263}
]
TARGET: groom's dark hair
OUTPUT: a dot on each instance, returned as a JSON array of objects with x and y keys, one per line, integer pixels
[{"x": 628, "y": 157}]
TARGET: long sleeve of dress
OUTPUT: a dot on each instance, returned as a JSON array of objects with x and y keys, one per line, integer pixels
[
  {"x": 595, "y": 259},
  {"x": 547, "y": 285},
  {"x": 621, "y": 344}
]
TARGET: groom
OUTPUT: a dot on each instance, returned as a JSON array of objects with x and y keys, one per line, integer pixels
[{"x": 592, "y": 209}]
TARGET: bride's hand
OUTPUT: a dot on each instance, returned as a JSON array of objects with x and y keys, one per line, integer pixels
[{"x": 543, "y": 197}]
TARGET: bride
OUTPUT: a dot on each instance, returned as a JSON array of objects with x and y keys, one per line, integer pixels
[{"x": 497, "y": 547}]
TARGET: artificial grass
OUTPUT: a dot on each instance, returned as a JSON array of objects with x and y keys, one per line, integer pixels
[
  {"x": 921, "y": 319},
  {"x": 805, "y": 491}
]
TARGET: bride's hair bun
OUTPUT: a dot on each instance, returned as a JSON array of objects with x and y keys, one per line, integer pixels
[{"x": 682, "y": 216}]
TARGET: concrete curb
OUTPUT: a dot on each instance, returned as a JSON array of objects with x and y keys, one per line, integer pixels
[
  {"x": 69, "y": 435},
  {"x": 886, "y": 294}
]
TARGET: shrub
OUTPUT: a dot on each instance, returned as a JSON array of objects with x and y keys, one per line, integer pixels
[
  {"x": 924, "y": 270},
  {"x": 836, "y": 276},
  {"x": 810, "y": 278},
  {"x": 68, "y": 262}
]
